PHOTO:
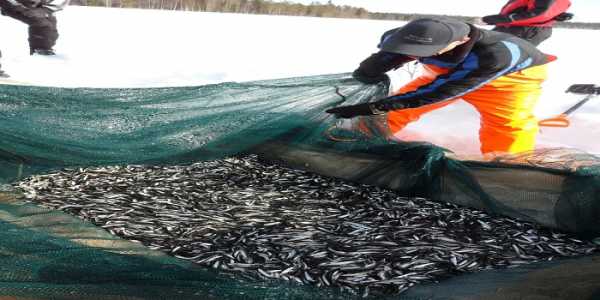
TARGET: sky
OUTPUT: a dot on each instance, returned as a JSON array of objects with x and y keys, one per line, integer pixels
[{"x": 584, "y": 10}]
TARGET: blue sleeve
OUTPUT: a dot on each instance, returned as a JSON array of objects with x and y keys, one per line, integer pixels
[{"x": 468, "y": 76}]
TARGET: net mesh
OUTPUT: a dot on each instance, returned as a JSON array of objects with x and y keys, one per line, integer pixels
[{"x": 46, "y": 254}]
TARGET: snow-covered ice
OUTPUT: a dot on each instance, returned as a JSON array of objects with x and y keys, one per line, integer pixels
[{"x": 105, "y": 47}]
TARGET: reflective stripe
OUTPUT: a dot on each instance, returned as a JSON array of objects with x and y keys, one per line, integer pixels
[
  {"x": 524, "y": 65},
  {"x": 470, "y": 64},
  {"x": 515, "y": 53}
]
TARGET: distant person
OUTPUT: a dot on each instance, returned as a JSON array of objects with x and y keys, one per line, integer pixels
[
  {"x": 498, "y": 73},
  {"x": 39, "y": 15},
  {"x": 2, "y": 73},
  {"x": 531, "y": 20}
]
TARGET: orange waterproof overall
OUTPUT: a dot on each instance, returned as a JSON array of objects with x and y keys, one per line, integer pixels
[{"x": 505, "y": 106}]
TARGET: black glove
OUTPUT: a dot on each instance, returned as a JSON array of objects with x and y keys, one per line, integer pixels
[
  {"x": 564, "y": 17},
  {"x": 496, "y": 19},
  {"x": 372, "y": 69},
  {"x": 361, "y": 76},
  {"x": 351, "y": 111}
]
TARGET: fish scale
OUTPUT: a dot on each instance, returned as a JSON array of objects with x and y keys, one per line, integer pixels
[{"x": 262, "y": 220}]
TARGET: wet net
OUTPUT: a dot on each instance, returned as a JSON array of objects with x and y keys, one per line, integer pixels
[{"x": 47, "y": 254}]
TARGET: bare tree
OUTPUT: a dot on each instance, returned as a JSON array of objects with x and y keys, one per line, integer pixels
[{"x": 315, "y": 9}]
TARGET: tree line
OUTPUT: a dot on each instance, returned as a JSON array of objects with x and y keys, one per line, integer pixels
[
  {"x": 237, "y": 6},
  {"x": 267, "y": 7}
]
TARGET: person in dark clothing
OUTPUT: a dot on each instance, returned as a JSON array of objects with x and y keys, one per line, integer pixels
[
  {"x": 498, "y": 73},
  {"x": 41, "y": 20},
  {"x": 531, "y": 20},
  {"x": 2, "y": 73}
]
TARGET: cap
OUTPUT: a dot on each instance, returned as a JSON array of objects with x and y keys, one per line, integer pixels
[{"x": 424, "y": 37}]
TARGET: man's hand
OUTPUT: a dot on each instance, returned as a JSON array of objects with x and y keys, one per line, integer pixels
[
  {"x": 496, "y": 19},
  {"x": 479, "y": 21},
  {"x": 361, "y": 76},
  {"x": 372, "y": 70},
  {"x": 564, "y": 17},
  {"x": 351, "y": 111}
]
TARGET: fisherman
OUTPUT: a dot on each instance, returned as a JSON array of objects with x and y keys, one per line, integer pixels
[
  {"x": 498, "y": 73},
  {"x": 531, "y": 20},
  {"x": 39, "y": 15}
]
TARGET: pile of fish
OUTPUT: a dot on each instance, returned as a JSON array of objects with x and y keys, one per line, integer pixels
[{"x": 264, "y": 220}]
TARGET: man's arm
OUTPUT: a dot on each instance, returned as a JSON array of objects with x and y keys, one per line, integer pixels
[
  {"x": 502, "y": 17},
  {"x": 15, "y": 10},
  {"x": 470, "y": 75},
  {"x": 6, "y": 5},
  {"x": 544, "y": 11},
  {"x": 373, "y": 69}
]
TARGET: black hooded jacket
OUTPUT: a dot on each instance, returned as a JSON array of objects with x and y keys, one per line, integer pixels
[{"x": 485, "y": 57}]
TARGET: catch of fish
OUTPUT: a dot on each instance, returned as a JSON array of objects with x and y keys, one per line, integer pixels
[{"x": 267, "y": 221}]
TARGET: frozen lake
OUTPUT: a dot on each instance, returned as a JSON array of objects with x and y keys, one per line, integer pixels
[{"x": 109, "y": 47}]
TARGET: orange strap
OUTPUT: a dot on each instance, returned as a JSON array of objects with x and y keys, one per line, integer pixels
[{"x": 558, "y": 121}]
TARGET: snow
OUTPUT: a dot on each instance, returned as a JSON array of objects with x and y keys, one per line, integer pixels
[
  {"x": 101, "y": 47},
  {"x": 108, "y": 47}
]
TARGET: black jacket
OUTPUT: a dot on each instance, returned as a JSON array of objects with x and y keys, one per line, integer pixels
[{"x": 487, "y": 56}]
